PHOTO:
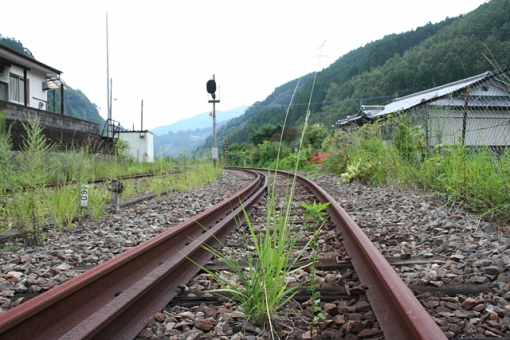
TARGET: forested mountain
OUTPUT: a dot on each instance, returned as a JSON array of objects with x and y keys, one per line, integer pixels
[
  {"x": 184, "y": 141},
  {"x": 76, "y": 102},
  {"x": 200, "y": 121},
  {"x": 396, "y": 65},
  {"x": 184, "y": 136}
]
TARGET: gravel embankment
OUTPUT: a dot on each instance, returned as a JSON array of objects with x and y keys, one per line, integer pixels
[{"x": 461, "y": 253}]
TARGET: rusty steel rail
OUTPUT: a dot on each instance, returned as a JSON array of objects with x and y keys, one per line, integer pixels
[
  {"x": 115, "y": 300},
  {"x": 107, "y": 179},
  {"x": 399, "y": 314}
]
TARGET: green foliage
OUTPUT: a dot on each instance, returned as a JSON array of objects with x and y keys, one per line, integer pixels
[
  {"x": 314, "y": 136},
  {"x": 267, "y": 132},
  {"x": 76, "y": 105},
  {"x": 408, "y": 138},
  {"x": 357, "y": 171},
  {"x": 477, "y": 177},
  {"x": 239, "y": 154},
  {"x": 267, "y": 152},
  {"x": 11, "y": 247},
  {"x": 99, "y": 196},
  {"x": 337, "y": 144},
  {"x": 121, "y": 148},
  {"x": 295, "y": 159},
  {"x": 262, "y": 291},
  {"x": 6, "y": 167},
  {"x": 34, "y": 172},
  {"x": 64, "y": 205}
]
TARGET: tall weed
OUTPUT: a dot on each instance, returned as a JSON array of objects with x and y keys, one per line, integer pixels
[
  {"x": 64, "y": 205},
  {"x": 263, "y": 290},
  {"x": 34, "y": 173}
]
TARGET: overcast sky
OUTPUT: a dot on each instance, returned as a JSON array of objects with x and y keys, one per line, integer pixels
[{"x": 163, "y": 52}]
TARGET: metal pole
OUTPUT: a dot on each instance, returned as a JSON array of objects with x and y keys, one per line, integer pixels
[
  {"x": 212, "y": 90},
  {"x": 111, "y": 102},
  {"x": 108, "y": 121},
  {"x": 214, "y": 125},
  {"x": 464, "y": 117},
  {"x": 141, "y": 123}
]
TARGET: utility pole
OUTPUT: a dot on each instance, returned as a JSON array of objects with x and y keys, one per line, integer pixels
[
  {"x": 108, "y": 111},
  {"x": 211, "y": 88}
]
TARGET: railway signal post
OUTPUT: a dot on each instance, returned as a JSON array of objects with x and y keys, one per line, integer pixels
[{"x": 211, "y": 88}]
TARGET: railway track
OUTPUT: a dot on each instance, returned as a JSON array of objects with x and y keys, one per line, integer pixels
[{"x": 116, "y": 299}]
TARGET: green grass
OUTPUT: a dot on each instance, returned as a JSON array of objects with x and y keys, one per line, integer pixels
[
  {"x": 477, "y": 177},
  {"x": 26, "y": 203}
]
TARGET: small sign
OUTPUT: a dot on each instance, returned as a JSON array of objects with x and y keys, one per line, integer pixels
[
  {"x": 84, "y": 196},
  {"x": 215, "y": 153}
]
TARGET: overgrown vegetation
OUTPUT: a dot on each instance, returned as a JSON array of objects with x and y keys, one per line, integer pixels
[
  {"x": 479, "y": 177},
  {"x": 30, "y": 204}
]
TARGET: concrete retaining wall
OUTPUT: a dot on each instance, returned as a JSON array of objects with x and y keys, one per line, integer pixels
[{"x": 65, "y": 131}]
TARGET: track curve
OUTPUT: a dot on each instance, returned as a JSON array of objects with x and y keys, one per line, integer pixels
[{"x": 115, "y": 299}]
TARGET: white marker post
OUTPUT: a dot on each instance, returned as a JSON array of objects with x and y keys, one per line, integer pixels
[{"x": 84, "y": 196}]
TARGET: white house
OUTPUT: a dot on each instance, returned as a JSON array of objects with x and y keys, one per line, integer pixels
[{"x": 25, "y": 81}]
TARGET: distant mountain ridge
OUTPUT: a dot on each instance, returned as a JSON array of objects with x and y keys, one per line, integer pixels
[
  {"x": 186, "y": 135},
  {"x": 200, "y": 121}
]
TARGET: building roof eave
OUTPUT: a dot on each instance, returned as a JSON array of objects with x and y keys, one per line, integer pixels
[{"x": 20, "y": 60}]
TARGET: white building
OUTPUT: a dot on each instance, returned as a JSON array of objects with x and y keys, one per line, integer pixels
[
  {"x": 141, "y": 144},
  {"x": 26, "y": 81}
]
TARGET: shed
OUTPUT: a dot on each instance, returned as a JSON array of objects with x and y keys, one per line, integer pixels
[
  {"x": 474, "y": 111},
  {"x": 141, "y": 144}
]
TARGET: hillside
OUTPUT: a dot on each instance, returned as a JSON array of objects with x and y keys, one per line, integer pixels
[
  {"x": 76, "y": 102},
  {"x": 173, "y": 144},
  {"x": 186, "y": 135},
  {"x": 200, "y": 121},
  {"x": 396, "y": 65}
]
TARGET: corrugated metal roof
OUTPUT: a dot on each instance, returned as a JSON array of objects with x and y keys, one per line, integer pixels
[
  {"x": 407, "y": 102},
  {"x": 364, "y": 112}
]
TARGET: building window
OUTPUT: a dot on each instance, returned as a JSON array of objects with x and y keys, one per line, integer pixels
[
  {"x": 3, "y": 91},
  {"x": 17, "y": 87}
]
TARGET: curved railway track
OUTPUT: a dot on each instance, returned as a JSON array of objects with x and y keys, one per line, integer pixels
[{"x": 115, "y": 300}]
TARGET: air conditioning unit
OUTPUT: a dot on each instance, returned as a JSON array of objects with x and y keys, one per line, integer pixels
[{"x": 41, "y": 105}]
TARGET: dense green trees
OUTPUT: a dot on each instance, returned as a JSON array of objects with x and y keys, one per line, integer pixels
[{"x": 76, "y": 105}]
